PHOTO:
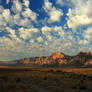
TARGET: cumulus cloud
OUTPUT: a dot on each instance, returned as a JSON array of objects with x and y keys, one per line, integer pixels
[
  {"x": 22, "y": 33},
  {"x": 26, "y": 3},
  {"x": 58, "y": 40},
  {"x": 17, "y": 32},
  {"x": 17, "y": 6},
  {"x": 80, "y": 14},
  {"x": 25, "y": 22},
  {"x": 21, "y": 17},
  {"x": 52, "y": 32},
  {"x": 64, "y": 2},
  {"x": 29, "y": 14},
  {"x": 7, "y": 16},
  {"x": 88, "y": 34},
  {"x": 7, "y": 1},
  {"x": 1, "y": 9},
  {"x": 83, "y": 42},
  {"x": 28, "y": 33},
  {"x": 40, "y": 39},
  {"x": 61, "y": 2},
  {"x": 53, "y": 13}
]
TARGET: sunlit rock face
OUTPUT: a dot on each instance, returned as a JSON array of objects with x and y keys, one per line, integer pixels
[
  {"x": 57, "y": 55},
  {"x": 56, "y": 58},
  {"x": 25, "y": 60},
  {"x": 90, "y": 53},
  {"x": 88, "y": 63},
  {"x": 81, "y": 59}
]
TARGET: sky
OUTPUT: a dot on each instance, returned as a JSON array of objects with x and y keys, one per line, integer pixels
[{"x": 31, "y": 28}]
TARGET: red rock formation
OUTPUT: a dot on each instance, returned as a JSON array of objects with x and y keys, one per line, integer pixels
[
  {"x": 90, "y": 53},
  {"x": 57, "y": 55},
  {"x": 25, "y": 60},
  {"x": 58, "y": 58},
  {"x": 88, "y": 63}
]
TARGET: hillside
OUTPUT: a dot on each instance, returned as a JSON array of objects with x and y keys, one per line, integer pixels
[{"x": 57, "y": 59}]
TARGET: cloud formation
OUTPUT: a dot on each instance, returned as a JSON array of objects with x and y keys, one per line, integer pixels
[
  {"x": 53, "y": 13},
  {"x": 27, "y": 32},
  {"x": 80, "y": 14}
]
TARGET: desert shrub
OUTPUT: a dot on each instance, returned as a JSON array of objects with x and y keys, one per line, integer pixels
[
  {"x": 58, "y": 71},
  {"x": 81, "y": 81},
  {"x": 45, "y": 78},
  {"x": 51, "y": 70},
  {"x": 82, "y": 77},
  {"x": 36, "y": 90},
  {"x": 82, "y": 87},
  {"x": 90, "y": 78},
  {"x": 5, "y": 78},
  {"x": 18, "y": 80},
  {"x": 74, "y": 87},
  {"x": 69, "y": 75}
]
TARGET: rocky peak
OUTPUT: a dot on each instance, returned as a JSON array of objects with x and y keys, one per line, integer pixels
[
  {"x": 60, "y": 59},
  {"x": 57, "y": 55},
  {"x": 25, "y": 60},
  {"x": 88, "y": 63},
  {"x": 81, "y": 54},
  {"x": 90, "y": 53}
]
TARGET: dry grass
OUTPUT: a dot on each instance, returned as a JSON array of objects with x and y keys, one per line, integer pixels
[{"x": 26, "y": 79}]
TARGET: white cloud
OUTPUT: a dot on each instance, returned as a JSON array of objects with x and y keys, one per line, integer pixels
[
  {"x": 40, "y": 39},
  {"x": 19, "y": 28},
  {"x": 83, "y": 42},
  {"x": 12, "y": 34},
  {"x": 64, "y": 2},
  {"x": 26, "y": 3},
  {"x": 53, "y": 13},
  {"x": 2, "y": 23},
  {"x": 7, "y": 1},
  {"x": 24, "y": 34},
  {"x": 56, "y": 30},
  {"x": 6, "y": 14},
  {"x": 31, "y": 41},
  {"x": 29, "y": 14},
  {"x": 1, "y": 9},
  {"x": 46, "y": 30},
  {"x": 24, "y": 22},
  {"x": 11, "y": 31},
  {"x": 22, "y": 38},
  {"x": 23, "y": 16},
  {"x": 17, "y": 6},
  {"x": 55, "y": 16},
  {"x": 31, "y": 33},
  {"x": 88, "y": 34},
  {"x": 80, "y": 14},
  {"x": 61, "y": 2}
]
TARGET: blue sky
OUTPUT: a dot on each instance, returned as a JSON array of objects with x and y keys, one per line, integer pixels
[{"x": 30, "y": 28}]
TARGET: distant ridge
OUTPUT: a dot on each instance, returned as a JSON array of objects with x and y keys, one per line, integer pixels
[{"x": 57, "y": 59}]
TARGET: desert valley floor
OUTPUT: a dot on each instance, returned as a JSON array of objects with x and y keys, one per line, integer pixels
[{"x": 26, "y": 79}]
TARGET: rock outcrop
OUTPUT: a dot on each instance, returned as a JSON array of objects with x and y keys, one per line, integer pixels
[{"x": 82, "y": 59}]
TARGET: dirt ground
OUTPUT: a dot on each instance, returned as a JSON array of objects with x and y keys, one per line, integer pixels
[{"x": 28, "y": 79}]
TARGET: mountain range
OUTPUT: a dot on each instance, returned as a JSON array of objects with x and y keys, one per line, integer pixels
[{"x": 57, "y": 59}]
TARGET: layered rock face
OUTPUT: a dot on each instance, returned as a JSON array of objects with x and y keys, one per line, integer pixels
[
  {"x": 55, "y": 59},
  {"x": 82, "y": 59},
  {"x": 88, "y": 63},
  {"x": 57, "y": 55}
]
